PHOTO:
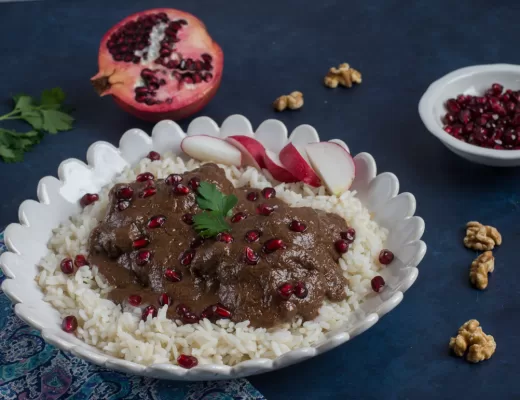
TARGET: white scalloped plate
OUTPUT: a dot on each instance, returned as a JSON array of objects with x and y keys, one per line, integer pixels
[{"x": 58, "y": 200}]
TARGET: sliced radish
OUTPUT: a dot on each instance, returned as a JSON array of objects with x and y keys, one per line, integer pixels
[
  {"x": 333, "y": 164},
  {"x": 209, "y": 148},
  {"x": 294, "y": 158},
  {"x": 252, "y": 150},
  {"x": 276, "y": 169}
]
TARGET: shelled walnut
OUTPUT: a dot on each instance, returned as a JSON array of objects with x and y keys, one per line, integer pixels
[
  {"x": 292, "y": 101},
  {"x": 480, "y": 267},
  {"x": 343, "y": 75},
  {"x": 474, "y": 341},
  {"x": 481, "y": 237}
]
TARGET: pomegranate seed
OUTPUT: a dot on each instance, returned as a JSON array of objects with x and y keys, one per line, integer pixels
[
  {"x": 269, "y": 193},
  {"x": 80, "y": 261},
  {"x": 457, "y": 130},
  {"x": 181, "y": 189},
  {"x": 188, "y": 219},
  {"x": 341, "y": 246},
  {"x": 69, "y": 324},
  {"x": 515, "y": 121},
  {"x": 300, "y": 290},
  {"x": 187, "y": 257},
  {"x": 265, "y": 209},
  {"x": 135, "y": 300},
  {"x": 238, "y": 217},
  {"x": 465, "y": 116},
  {"x": 140, "y": 243},
  {"x": 481, "y": 100},
  {"x": 165, "y": 299},
  {"x": 182, "y": 309},
  {"x": 285, "y": 291},
  {"x": 187, "y": 362},
  {"x": 349, "y": 235},
  {"x": 272, "y": 245},
  {"x": 510, "y": 136},
  {"x": 469, "y": 127},
  {"x": 252, "y": 196},
  {"x": 221, "y": 311},
  {"x": 252, "y": 257},
  {"x": 453, "y": 106},
  {"x": 207, "y": 313},
  {"x": 88, "y": 199},
  {"x": 148, "y": 191},
  {"x": 497, "y": 88},
  {"x": 156, "y": 221},
  {"x": 66, "y": 266},
  {"x": 377, "y": 283},
  {"x": 149, "y": 311},
  {"x": 145, "y": 176},
  {"x": 172, "y": 275},
  {"x": 153, "y": 155},
  {"x": 386, "y": 257},
  {"x": 461, "y": 99},
  {"x": 224, "y": 237},
  {"x": 125, "y": 193},
  {"x": 197, "y": 242},
  {"x": 189, "y": 318},
  {"x": 297, "y": 226},
  {"x": 173, "y": 179},
  {"x": 123, "y": 205},
  {"x": 450, "y": 118},
  {"x": 511, "y": 107},
  {"x": 253, "y": 235},
  {"x": 143, "y": 257},
  {"x": 194, "y": 183}
]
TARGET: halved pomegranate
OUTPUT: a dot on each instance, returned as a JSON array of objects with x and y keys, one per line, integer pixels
[{"x": 159, "y": 64}]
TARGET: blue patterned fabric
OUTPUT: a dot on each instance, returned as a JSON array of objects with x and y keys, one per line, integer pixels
[{"x": 33, "y": 369}]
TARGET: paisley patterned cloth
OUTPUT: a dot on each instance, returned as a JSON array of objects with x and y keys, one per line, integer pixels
[{"x": 33, "y": 369}]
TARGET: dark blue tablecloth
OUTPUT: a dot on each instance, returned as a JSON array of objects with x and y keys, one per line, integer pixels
[{"x": 274, "y": 47}]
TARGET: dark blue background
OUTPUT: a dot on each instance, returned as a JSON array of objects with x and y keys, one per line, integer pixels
[{"x": 273, "y": 47}]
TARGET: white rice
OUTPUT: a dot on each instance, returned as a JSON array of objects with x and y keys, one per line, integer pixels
[{"x": 121, "y": 332}]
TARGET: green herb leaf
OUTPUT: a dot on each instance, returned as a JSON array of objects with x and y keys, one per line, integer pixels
[
  {"x": 56, "y": 121},
  {"x": 22, "y": 102},
  {"x": 52, "y": 97},
  {"x": 33, "y": 117},
  {"x": 228, "y": 202},
  {"x": 13, "y": 145},
  {"x": 210, "y": 224}
]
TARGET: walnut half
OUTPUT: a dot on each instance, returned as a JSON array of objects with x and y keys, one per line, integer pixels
[
  {"x": 344, "y": 75},
  {"x": 480, "y": 268},
  {"x": 292, "y": 101},
  {"x": 481, "y": 237},
  {"x": 474, "y": 341}
]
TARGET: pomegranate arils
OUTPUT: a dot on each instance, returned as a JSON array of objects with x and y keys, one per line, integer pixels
[
  {"x": 450, "y": 118},
  {"x": 143, "y": 257},
  {"x": 187, "y": 362},
  {"x": 149, "y": 311},
  {"x": 285, "y": 291},
  {"x": 187, "y": 257},
  {"x": 189, "y": 318},
  {"x": 341, "y": 246},
  {"x": 188, "y": 219},
  {"x": 221, "y": 311},
  {"x": 272, "y": 245},
  {"x": 80, "y": 261},
  {"x": 182, "y": 309},
  {"x": 386, "y": 257},
  {"x": 238, "y": 217},
  {"x": 194, "y": 183},
  {"x": 123, "y": 205},
  {"x": 69, "y": 324},
  {"x": 172, "y": 275},
  {"x": 268, "y": 192},
  {"x": 154, "y": 156},
  {"x": 140, "y": 243},
  {"x": 377, "y": 283},
  {"x": 207, "y": 313},
  {"x": 156, "y": 221},
  {"x": 465, "y": 116},
  {"x": 125, "y": 193},
  {"x": 497, "y": 88},
  {"x": 88, "y": 199},
  {"x": 253, "y": 235},
  {"x": 252, "y": 196},
  {"x": 135, "y": 300},
  {"x": 297, "y": 226},
  {"x": 224, "y": 237},
  {"x": 180, "y": 189},
  {"x": 349, "y": 235},
  {"x": 145, "y": 176},
  {"x": 300, "y": 290},
  {"x": 147, "y": 192},
  {"x": 67, "y": 266},
  {"x": 252, "y": 257},
  {"x": 173, "y": 179},
  {"x": 453, "y": 106},
  {"x": 265, "y": 209},
  {"x": 164, "y": 299}
]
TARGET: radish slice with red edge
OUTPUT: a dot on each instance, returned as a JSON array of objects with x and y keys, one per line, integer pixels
[
  {"x": 252, "y": 150},
  {"x": 209, "y": 148},
  {"x": 294, "y": 159}
]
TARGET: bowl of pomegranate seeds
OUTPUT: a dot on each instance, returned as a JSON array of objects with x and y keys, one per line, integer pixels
[{"x": 475, "y": 112}]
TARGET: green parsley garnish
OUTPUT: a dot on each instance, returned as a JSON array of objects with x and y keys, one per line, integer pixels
[
  {"x": 217, "y": 206},
  {"x": 47, "y": 115}
]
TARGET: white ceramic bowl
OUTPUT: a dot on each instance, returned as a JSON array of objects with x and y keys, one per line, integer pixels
[
  {"x": 58, "y": 200},
  {"x": 469, "y": 81}
]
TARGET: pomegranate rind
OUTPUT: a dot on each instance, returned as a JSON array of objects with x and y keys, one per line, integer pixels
[{"x": 119, "y": 78}]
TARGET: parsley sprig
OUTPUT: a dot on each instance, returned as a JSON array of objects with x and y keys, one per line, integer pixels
[
  {"x": 46, "y": 115},
  {"x": 217, "y": 207}
]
